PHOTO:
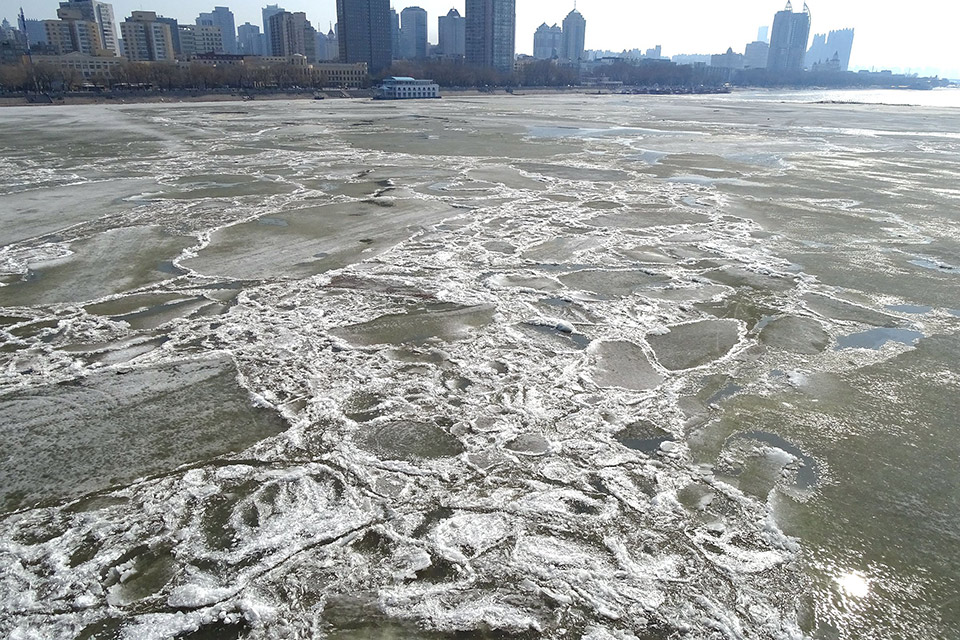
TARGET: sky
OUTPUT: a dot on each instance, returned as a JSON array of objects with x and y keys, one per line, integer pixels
[{"x": 918, "y": 36}]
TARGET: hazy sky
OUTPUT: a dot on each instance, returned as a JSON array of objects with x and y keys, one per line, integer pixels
[{"x": 918, "y": 35}]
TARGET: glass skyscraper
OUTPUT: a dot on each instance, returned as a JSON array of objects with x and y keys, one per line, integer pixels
[
  {"x": 788, "y": 42},
  {"x": 365, "y": 33},
  {"x": 491, "y": 33}
]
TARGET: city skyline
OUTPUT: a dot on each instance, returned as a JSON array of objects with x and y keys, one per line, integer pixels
[{"x": 922, "y": 34}]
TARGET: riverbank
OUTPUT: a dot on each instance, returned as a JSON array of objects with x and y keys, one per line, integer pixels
[
  {"x": 88, "y": 98},
  {"x": 817, "y": 95}
]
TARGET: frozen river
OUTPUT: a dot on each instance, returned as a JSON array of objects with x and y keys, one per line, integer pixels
[{"x": 599, "y": 367}]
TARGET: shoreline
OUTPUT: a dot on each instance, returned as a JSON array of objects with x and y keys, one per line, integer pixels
[{"x": 179, "y": 97}]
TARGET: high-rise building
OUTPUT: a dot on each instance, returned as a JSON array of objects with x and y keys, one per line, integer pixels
[
  {"x": 292, "y": 34},
  {"x": 788, "y": 41},
  {"x": 222, "y": 17},
  {"x": 268, "y": 11},
  {"x": 413, "y": 33},
  {"x": 249, "y": 39},
  {"x": 825, "y": 47},
  {"x": 71, "y": 33},
  {"x": 491, "y": 33},
  {"x": 102, "y": 14},
  {"x": 574, "y": 33},
  {"x": 364, "y": 33},
  {"x": 394, "y": 35},
  {"x": 200, "y": 38},
  {"x": 174, "y": 33},
  {"x": 328, "y": 49},
  {"x": 755, "y": 55},
  {"x": 36, "y": 34},
  {"x": 547, "y": 42},
  {"x": 145, "y": 39},
  {"x": 763, "y": 34},
  {"x": 452, "y": 31}
]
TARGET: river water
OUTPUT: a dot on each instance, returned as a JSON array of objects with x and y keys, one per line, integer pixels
[{"x": 600, "y": 367}]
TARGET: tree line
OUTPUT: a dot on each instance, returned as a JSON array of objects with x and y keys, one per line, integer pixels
[
  {"x": 196, "y": 76},
  {"x": 48, "y": 77}
]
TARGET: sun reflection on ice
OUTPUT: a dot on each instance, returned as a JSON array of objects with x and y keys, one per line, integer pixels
[{"x": 853, "y": 585}]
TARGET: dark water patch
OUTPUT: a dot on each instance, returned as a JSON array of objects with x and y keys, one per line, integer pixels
[
  {"x": 420, "y": 325},
  {"x": 408, "y": 440},
  {"x": 86, "y": 551},
  {"x": 807, "y": 475},
  {"x": 915, "y": 309},
  {"x": 876, "y": 338},
  {"x": 35, "y": 329},
  {"x": 133, "y": 304},
  {"x": 725, "y": 393},
  {"x": 63, "y": 441},
  {"x": 7, "y": 321},
  {"x": 109, "y": 629},
  {"x": 692, "y": 345},
  {"x": 161, "y": 314},
  {"x": 219, "y": 630},
  {"x": 217, "y": 512},
  {"x": 643, "y": 436},
  {"x": 168, "y": 267},
  {"x": 439, "y": 570}
]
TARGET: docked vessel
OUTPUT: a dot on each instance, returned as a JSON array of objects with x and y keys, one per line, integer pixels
[{"x": 405, "y": 88}]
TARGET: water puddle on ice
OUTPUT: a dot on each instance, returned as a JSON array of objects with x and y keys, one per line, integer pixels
[
  {"x": 876, "y": 338},
  {"x": 807, "y": 473},
  {"x": 643, "y": 436}
]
